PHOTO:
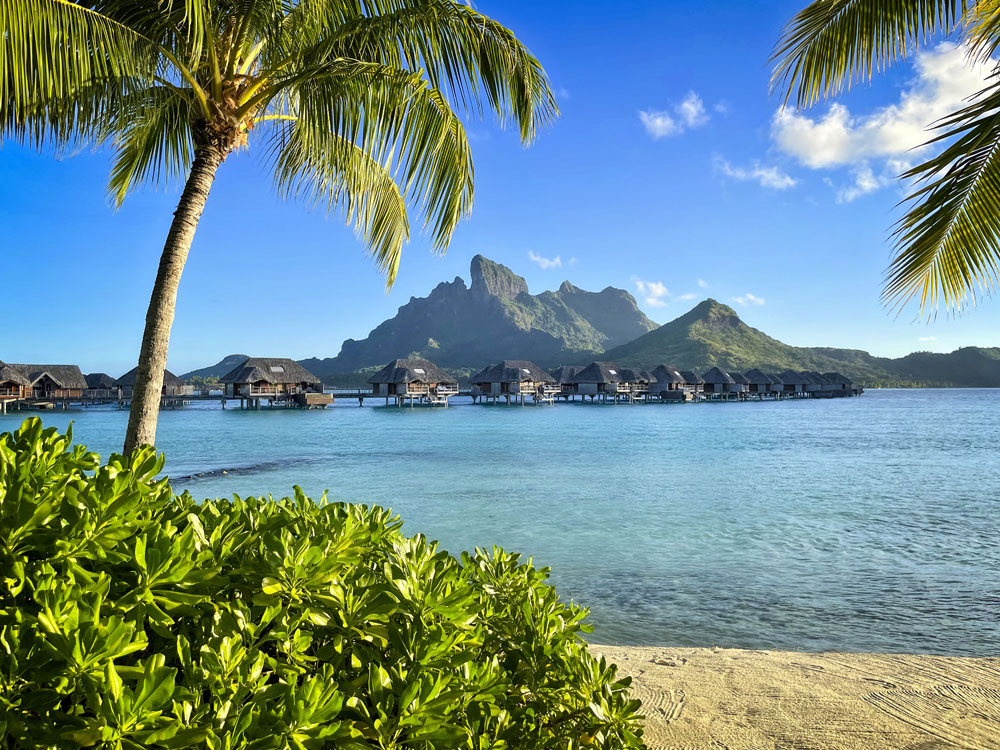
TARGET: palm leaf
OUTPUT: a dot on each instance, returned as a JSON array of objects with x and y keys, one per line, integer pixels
[
  {"x": 325, "y": 169},
  {"x": 833, "y": 43},
  {"x": 948, "y": 244}
]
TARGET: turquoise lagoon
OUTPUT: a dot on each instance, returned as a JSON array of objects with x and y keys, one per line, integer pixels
[{"x": 863, "y": 524}]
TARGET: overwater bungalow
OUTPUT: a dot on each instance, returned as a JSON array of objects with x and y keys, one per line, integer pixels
[
  {"x": 514, "y": 379},
  {"x": 839, "y": 384},
  {"x": 565, "y": 377},
  {"x": 740, "y": 385},
  {"x": 14, "y": 385},
  {"x": 602, "y": 380},
  {"x": 100, "y": 385},
  {"x": 273, "y": 378},
  {"x": 758, "y": 383},
  {"x": 718, "y": 383},
  {"x": 668, "y": 384},
  {"x": 693, "y": 384},
  {"x": 638, "y": 380},
  {"x": 793, "y": 383},
  {"x": 172, "y": 385},
  {"x": 817, "y": 383},
  {"x": 56, "y": 382},
  {"x": 414, "y": 380}
]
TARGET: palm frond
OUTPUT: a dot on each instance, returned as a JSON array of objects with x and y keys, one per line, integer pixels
[
  {"x": 833, "y": 43},
  {"x": 153, "y": 141},
  {"x": 396, "y": 118},
  {"x": 325, "y": 169},
  {"x": 465, "y": 54},
  {"x": 948, "y": 244},
  {"x": 55, "y": 58}
]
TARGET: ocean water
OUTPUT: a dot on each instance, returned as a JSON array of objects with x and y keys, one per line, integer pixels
[{"x": 862, "y": 524}]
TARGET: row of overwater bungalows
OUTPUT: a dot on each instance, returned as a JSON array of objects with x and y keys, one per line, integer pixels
[{"x": 421, "y": 381}]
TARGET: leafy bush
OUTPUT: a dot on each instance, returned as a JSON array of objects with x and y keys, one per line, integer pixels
[{"x": 134, "y": 618}]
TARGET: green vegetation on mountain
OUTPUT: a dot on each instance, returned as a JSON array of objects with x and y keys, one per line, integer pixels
[
  {"x": 712, "y": 334},
  {"x": 494, "y": 318}
]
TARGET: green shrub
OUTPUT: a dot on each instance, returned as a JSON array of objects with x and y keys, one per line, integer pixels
[{"x": 134, "y": 618}]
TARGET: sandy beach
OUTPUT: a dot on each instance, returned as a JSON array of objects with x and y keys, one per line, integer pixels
[{"x": 759, "y": 700}]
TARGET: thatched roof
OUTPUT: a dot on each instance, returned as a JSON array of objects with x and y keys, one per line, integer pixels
[
  {"x": 512, "y": 371},
  {"x": 273, "y": 370},
  {"x": 9, "y": 374},
  {"x": 600, "y": 372},
  {"x": 99, "y": 380},
  {"x": 738, "y": 378},
  {"x": 717, "y": 376},
  {"x": 835, "y": 378},
  {"x": 129, "y": 378},
  {"x": 691, "y": 378},
  {"x": 65, "y": 376},
  {"x": 775, "y": 379},
  {"x": 668, "y": 374},
  {"x": 566, "y": 374},
  {"x": 816, "y": 377},
  {"x": 756, "y": 377},
  {"x": 637, "y": 375},
  {"x": 411, "y": 371},
  {"x": 790, "y": 377}
]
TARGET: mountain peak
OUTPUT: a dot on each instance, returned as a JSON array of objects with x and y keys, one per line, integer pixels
[{"x": 490, "y": 279}]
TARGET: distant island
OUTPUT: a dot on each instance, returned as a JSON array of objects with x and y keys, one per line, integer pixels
[{"x": 463, "y": 328}]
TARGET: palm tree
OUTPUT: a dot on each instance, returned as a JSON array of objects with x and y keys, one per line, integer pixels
[
  {"x": 947, "y": 245},
  {"x": 348, "y": 102}
]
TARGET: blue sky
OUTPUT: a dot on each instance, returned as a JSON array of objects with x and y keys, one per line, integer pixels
[{"x": 671, "y": 173}]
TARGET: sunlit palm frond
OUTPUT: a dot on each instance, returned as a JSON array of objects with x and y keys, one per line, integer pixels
[
  {"x": 948, "y": 244},
  {"x": 463, "y": 53},
  {"x": 325, "y": 169},
  {"x": 152, "y": 136},
  {"x": 833, "y": 43},
  {"x": 56, "y": 59},
  {"x": 400, "y": 121}
]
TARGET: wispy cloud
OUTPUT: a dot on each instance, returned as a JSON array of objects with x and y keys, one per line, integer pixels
[
  {"x": 689, "y": 295},
  {"x": 749, "y": 299},
  {"x": 545, "y": 263},
  {"x": 688, "y": 114},
  {"x": 653, "y": 292},
  {"x": 572, "y": 261},
  {"x": 563, "y": 93},
  {"x": 702, "y": 283},
  {"x": 769, "y": 177},
  {"x": 927, "y": 338}
]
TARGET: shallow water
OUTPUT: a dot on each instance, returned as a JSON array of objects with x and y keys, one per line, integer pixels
[{"x": 862, "y": 524}]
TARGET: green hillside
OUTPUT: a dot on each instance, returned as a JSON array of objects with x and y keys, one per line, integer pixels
[{"x": 712, "y": 334}]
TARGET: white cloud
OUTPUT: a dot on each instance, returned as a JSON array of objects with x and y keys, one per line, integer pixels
[
  {"x": 927, "y": 338},
  {"x": 769, "y": 177},
  {"x": 660, "y": 124},
  {"x": 572, "y": 261},
  {"x": 721, "y": 106},
  {"x": 702, "y": 283},
  {"x": 689, "y": 295},
  {"x": 692, "y": 110},
  {"x": 944, "y": 81},
  {"x": 749, "y": 299},
  {"x": 654, "y": 292},
  {"x": 690, "y": 113},
  {"x": 545, "y": 263}
]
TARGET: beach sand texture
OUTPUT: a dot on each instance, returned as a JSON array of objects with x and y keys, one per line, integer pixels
[{"x": 762, "y": 700}]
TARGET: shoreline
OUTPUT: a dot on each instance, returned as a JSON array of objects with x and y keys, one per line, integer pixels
[{"x": 755, "y": 700}]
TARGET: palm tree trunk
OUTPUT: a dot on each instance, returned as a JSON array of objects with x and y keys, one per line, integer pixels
[{"x": 160, "y": 315}]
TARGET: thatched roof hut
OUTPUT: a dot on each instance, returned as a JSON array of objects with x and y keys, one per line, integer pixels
[
  {"x": 413, "y": 379},
  {"x": 692, "y": 381},
  {"x": 565, "y": 374},
  {"x": 604, "y": 373},
  {"x": 668, "y": 374},
  {"x": 13, "y": 383},
  {"x": 268, "y": 377},
  {"x": 513, "y": 377},
  {"x": 100, "y": 385},
  {"x": 172, "y": 385},
  {"x": 637, "y": 375},
  {"x": 53, "y": 381},
  {"x": 794, "y": 382},
  {"x": 757, "y": 379},
  {"x": 717, "y": 380},
  {"x": 738, "y": 377},
  {"x": 838, "y": 382}
]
